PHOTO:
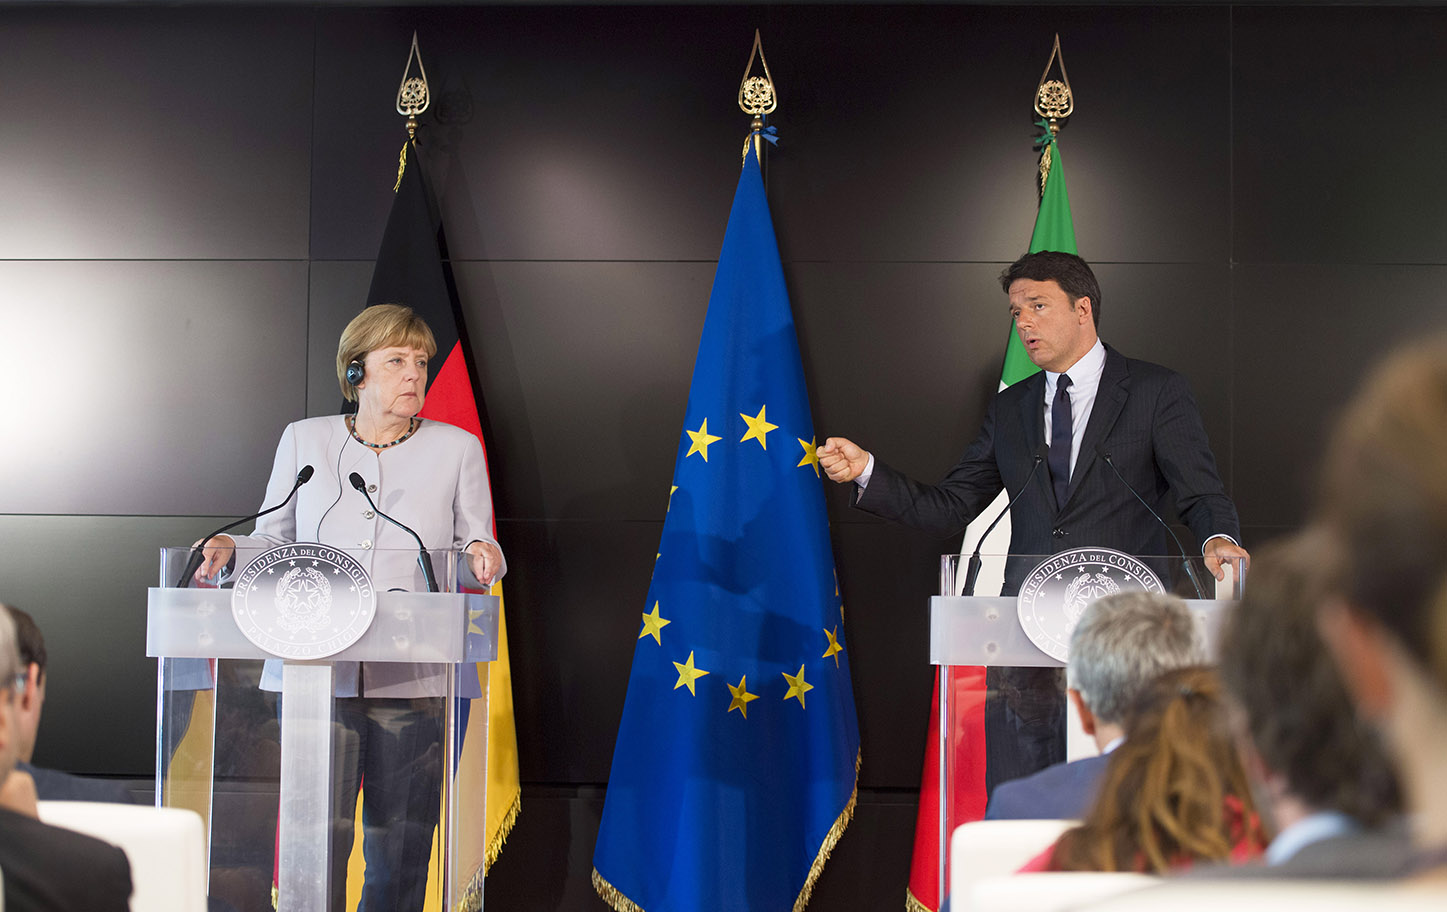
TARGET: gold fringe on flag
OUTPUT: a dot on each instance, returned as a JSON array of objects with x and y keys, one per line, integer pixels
[
  {"x": 611, "y": 896},
  {"x": 913, "y": 905},
  {"x": 471, "y": 900},
  {"x": 621, "y": 903},
  {"x": 494, "y": 848},
  {"x": 830, "y": 839}
]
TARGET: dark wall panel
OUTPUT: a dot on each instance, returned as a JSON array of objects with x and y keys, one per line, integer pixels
[
  {"x": 1310, "y": 335},
  {"x": 907, "y": 131},
  {"x": 1179, "y": 315},
  {"x": 886, "y": 579},
  {"x": 557, "y": 133},
  {"x": 337, "y": 292},
  {"x": 1330, "y": 134},
  {"x": 356, "y": 130},
  {"x": 84, "y": 580},
  {"x": 158, "y": 387},
  {"x": 575, "y": 592},
  {"x": 914, "y": 398},
  {"x": 154, "y": 133},
  {"x": 584, "y": 370}
]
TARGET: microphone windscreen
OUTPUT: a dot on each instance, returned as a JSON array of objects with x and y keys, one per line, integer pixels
[
  {"x": 305, "y": 475},
  {"x": 357, "y": 481}
]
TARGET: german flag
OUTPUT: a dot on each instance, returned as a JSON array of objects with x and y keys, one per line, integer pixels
[{"x": 410, "y": 270}]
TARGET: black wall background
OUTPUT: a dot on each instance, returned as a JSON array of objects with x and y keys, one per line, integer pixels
[{"x": 192, "y": 196}]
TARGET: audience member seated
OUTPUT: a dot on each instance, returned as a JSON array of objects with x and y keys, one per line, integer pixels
[
  {"x": 1324, "y": 788},
  {"x": 50, "y": 785},
  {"x": 1173, "y": 794},
  {"x": 1385, "y": 499},
  {"x": 47, "y": 868},
  {"x": 1120, "y": 646}
]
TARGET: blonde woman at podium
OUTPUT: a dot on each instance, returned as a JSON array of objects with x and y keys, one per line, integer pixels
[{"x": 431, "y": 477}]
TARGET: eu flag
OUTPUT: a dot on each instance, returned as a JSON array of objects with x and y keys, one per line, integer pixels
[{"x": 737, "y": 757}]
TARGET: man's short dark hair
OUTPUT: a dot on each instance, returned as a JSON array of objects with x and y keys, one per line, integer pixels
[
  {"x": 28, "y": 639},
  {"x": 1297, "y": 710},
  {"x": 1067, "y": 270}
]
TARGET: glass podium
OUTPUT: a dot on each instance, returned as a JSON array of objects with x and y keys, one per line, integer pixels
[
  {"x": 277, "y": 756},
  {"x": 1029, "y": 628}
]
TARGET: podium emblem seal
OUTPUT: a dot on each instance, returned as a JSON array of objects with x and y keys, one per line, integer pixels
[
  {"x": 303, "y": 601},
  {"x": 1056, "y": 592}
]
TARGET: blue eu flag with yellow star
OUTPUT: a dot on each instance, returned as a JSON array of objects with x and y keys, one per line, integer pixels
[{"x": 736, "y": 762}]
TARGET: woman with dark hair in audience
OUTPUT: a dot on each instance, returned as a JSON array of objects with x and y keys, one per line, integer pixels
[{"x": 1173, "y": 794}]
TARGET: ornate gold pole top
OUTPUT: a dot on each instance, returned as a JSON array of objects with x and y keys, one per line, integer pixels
[
  {"x": 757, "y": 96},
  {"x": 1053, "y": 98},
  {"x": 412, "y": 95}
]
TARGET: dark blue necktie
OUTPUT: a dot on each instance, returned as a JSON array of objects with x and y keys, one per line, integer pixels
[{"x": 1061, "y": 433}]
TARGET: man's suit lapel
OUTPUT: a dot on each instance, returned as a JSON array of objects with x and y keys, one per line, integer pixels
[
  {"x": 1109, "y": 400},
  {"x": 1032, "y": 419}
]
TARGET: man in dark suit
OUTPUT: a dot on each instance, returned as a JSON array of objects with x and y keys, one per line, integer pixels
[
  {"x": 46, "y": 868},
  {"x": 1056, "y": 439},
  {"x": 50, "y": 785},
  {"x": 1122, "y": 644}
]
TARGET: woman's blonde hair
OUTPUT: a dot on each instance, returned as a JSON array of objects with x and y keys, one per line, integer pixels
[
  {"x": 380, "y": 326},
  {"x": 1163, "y": 800}
]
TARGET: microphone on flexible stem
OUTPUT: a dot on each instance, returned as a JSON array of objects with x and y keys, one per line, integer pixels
[
  {"x": 197, "y": 551},
  {"x": 424, "y": 560},
  {"x": 1185, "y": 560},
  {"x": 972, "y": 570}
]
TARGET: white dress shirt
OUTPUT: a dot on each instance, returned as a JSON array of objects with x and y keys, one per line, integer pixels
[{"x": 1084, "y": 384}]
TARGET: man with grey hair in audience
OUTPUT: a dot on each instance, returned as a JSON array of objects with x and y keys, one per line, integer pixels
[
  {"x": 46, "y": 868},
  {"x": 1121, "y": 644}
]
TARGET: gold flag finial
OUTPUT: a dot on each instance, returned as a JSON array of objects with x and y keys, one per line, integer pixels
[
  {"x": 412, "y": 95},
  {"x": 1053, "y": 98},
  {"x": 1054, "y": 102},
  {"x": 757, "y": 96}
]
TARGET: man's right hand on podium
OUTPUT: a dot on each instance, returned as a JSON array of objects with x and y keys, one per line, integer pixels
[
  {"x": 842, "y": 459},
  {"x": 217, "y": 555}
]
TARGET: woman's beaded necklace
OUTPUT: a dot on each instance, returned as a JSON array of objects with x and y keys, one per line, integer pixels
[{"x": 412, "y": 425}]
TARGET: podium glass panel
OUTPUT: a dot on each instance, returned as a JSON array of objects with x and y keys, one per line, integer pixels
[
  {"x": 975, "y": 636},
  {"x": 319, "y": 779}
]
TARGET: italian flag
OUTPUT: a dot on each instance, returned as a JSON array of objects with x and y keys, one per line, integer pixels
[{"x": 1054, "y": 230}]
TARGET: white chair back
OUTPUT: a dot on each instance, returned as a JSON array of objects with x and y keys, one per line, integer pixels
[
  {"x": 1052, "y": 892},
  {"x": 1256, "y": 895},
  {"x": 165, "y": 846},
  {"x": 995, "y": 848}
]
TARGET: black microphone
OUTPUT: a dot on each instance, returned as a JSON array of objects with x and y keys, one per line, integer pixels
[
  {"x": 972, "y": 570},
  {"x": 1185, "y": 560},
  {"x": 197, "y": 555},
  {"x": 424, "y": 560}
]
